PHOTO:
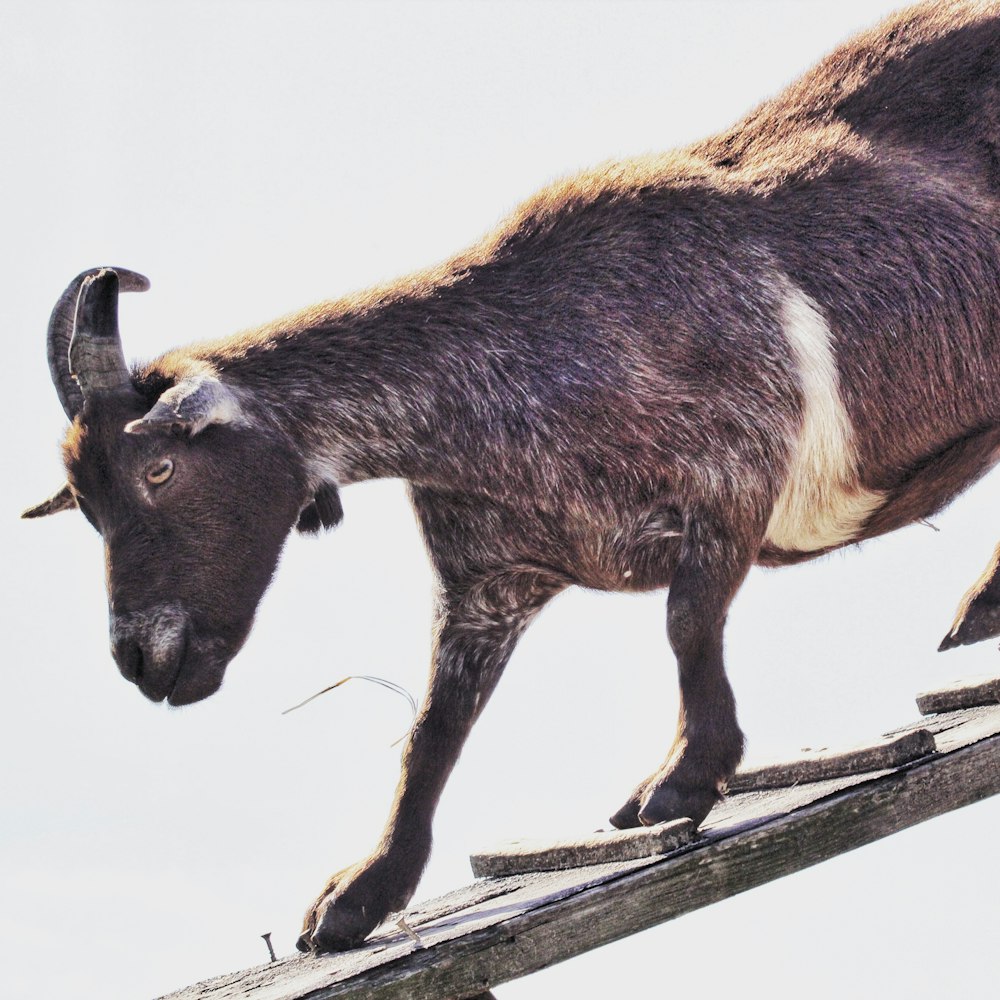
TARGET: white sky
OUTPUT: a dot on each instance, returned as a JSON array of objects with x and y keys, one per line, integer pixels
[{"x": 252, "y": 158}]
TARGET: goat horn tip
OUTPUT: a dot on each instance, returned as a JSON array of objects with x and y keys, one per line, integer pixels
[
  {"x": 128, "y": 281},
  {"x": 132, "y": 281}
]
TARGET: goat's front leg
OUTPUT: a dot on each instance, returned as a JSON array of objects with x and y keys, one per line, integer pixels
[
  {"x": 476, "y": 634},
  {"x": 709, "y": 744}
]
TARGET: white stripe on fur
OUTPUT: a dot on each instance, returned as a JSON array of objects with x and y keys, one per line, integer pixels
[{"x": 821, "y": 503}]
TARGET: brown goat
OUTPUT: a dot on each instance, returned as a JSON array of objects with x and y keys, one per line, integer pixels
[{"x": 778, "y": 341}]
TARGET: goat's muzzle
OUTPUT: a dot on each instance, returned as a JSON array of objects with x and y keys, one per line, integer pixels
[{"x": 154, "y": 650}]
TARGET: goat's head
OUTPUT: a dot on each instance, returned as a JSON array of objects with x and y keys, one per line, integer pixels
[{"x": 192, "y": 497}]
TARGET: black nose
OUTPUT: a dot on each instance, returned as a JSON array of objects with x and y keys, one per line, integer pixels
[
  {"x": 149, "y": 648},
  {"x": 129, "y": 656}
]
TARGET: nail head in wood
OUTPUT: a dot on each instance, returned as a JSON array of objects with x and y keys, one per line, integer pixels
[{"x": 270, "y": 948}]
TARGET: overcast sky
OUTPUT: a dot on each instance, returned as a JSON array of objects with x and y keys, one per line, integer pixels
[{"x": 252, "y": 158}]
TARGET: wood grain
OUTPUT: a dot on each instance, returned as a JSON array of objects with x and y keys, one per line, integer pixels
[
  {"x": 520, "y": 856},
  {"x": 819, "y": 765},
  {"x": 961, "y": 694}
]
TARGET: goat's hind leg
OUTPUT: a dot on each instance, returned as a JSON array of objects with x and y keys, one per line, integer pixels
[{"x": 708, "y": 744}]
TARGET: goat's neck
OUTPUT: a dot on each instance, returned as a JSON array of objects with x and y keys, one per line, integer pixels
[{"x": 406, "y": 387}]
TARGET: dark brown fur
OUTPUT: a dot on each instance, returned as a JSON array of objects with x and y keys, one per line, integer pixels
[{"x": 602, "y": 393}]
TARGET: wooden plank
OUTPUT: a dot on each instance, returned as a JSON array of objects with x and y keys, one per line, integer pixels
[
  {"x": 437, "y": 922},
  {"x": 520, "y": 856},
  {"x": 952, "y": 730},
  {"x": 605, "y": 913},
  {"x": 961, "y": 694},
  {"x": 819, "y": 765},
  {"x": 472, "y": 908},
  {"x": 502, "y": 928}
]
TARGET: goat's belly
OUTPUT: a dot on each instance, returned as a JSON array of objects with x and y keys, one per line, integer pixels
[
  {"x": 816, "y": 515},
  {"x": 837, "y": 514}
]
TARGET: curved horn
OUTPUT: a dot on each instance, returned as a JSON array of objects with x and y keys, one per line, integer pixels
[{"x": 60, "y": 334}]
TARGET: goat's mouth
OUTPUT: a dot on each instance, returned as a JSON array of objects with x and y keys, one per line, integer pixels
[
  {"x": 150, "y": 647},
  {"x": 160, "y": 675},
  {"x": 173, "y": 656},
  {"x": 166, "y": 658}
]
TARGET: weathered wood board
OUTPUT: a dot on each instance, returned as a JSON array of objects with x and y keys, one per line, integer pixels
[
  {"x": 819, "y": 765},
  {"x": 602, "y": 846},
  {"x": 498, "y": 929},
  {"x": 961, "y": 694}
]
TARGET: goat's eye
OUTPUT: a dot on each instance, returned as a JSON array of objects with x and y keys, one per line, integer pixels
[{"x": 160, "y": 472}]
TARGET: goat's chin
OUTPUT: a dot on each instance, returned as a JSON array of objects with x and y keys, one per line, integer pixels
[
  {"x": 196, "y": 686},
  {"x": 200, "y": 675}
]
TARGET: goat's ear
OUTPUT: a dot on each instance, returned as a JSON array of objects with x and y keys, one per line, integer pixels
[
  {"x": 62, "y": 499},
  {"x": 323, "y": 511},
  {"x": 189, "y": 407}
]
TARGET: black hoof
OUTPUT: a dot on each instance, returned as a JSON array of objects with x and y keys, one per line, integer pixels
[
  {"x": 627, "y": 818},
  {"x": 667, "y": 802}
]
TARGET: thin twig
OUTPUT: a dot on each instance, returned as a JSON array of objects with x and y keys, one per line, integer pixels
[{"x": 391, "y": 685}]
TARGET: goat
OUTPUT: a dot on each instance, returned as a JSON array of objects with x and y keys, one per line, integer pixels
[{"x": 778, "y": 341}]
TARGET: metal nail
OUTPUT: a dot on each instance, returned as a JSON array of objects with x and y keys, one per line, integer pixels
[{"x": 270, "y": 948}]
